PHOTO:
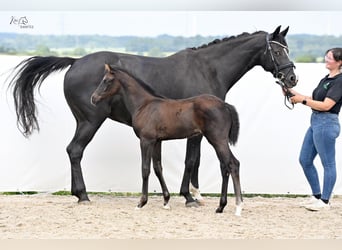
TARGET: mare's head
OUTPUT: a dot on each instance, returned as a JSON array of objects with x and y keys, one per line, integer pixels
[
  {"x": 276, "y": 58},
  {"x": 109, "y": 85}
]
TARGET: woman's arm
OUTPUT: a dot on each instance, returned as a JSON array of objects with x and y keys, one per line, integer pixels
[{"x": 325, "y": 105}]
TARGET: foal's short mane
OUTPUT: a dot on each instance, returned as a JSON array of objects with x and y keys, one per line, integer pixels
[
  {"x": 139, "y": 81},
  {"x": 225, "y": 39}
]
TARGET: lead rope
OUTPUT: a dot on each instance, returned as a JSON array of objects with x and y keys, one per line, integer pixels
[{"x": 288, "y": 95}]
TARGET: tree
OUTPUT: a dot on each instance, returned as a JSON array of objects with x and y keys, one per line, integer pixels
[
  {"x": 79, "y": 52},
  {"x": 155, "y": 52},
  {"x": 306, "y": 58},
  {"x": 43, "y": 50}
]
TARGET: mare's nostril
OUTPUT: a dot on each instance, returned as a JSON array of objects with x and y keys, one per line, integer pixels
[{"x": 293, "y": 79}]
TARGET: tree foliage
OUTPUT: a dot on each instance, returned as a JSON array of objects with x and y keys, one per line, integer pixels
[{"x": 303, "y": 48}]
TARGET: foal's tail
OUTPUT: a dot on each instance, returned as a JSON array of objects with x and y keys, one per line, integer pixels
[
  {"x": 234, "y": 130},
  {"x": 30, "y": 74}
]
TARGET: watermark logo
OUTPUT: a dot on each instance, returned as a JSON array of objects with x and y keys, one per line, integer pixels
[{"x": 21, "y": 22}]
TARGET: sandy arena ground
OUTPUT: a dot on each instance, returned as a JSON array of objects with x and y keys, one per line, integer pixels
[{"x": 46, "y": 216}]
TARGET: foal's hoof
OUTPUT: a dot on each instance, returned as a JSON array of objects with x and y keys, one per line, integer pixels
[
  {"x": 192, "y": 204},
  {"x": 238, "y": 211},
  {"x": 219, "y": 210}
]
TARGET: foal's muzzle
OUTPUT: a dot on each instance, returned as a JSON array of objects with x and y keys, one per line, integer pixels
[{"x": 95, "y": 99}]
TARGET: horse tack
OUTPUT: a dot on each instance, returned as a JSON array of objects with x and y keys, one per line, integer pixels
[
  {"x": 277, "y": 68},
  {"x": 182, "y": 118},
  {"x": 287, "y": 95},
  {"x": 213, "y": 69}
]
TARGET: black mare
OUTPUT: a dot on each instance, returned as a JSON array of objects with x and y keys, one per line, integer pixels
[
  {"x": 211, "y": 69},
  {"x": 156, "y": 119}
]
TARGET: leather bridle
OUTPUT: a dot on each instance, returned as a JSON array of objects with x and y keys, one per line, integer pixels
[{"x": 277, "y": 70}]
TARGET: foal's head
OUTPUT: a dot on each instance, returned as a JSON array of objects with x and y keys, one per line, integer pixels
[{"x": 109, "y": 85}]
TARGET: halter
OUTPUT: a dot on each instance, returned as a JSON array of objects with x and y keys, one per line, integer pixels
[{"x": 277, "y": 68}]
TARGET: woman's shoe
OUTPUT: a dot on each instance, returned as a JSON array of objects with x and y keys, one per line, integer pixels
[
  {"x": 317, "y": 206},
  {"x": 307, "y": 202}
]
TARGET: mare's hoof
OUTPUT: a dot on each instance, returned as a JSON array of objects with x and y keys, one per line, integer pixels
[
  {"x": 85, "y": 202},
  {"x": 200, "y": 202},
  {"x": 192, "y": 204},
  {"x": 167, "y": 207}
]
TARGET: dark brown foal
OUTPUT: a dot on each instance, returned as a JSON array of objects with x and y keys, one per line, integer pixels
[{"x": 155, "y": 119}]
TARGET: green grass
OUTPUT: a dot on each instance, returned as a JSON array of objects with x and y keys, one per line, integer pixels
[{"x": 19, "y": 193}]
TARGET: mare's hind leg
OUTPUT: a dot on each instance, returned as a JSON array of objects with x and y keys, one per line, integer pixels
[
  {"x": 235, "y": 172},
  {"x": 83, "y": 135},
  {"x": 147, "y": 148},
  {"x": 158, "y": 169},
  {"x": 192, "y": 161}
]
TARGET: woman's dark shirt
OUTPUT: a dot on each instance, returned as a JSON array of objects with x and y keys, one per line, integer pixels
[{"x": 330, "y": 87}]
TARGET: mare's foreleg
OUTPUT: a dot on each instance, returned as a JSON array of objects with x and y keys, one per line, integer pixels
[
  {"x": 192, "y": 162},
  {"x": 146, "y": 148},
  {"x": 83, "y": 135},
  {"x": 158, "y": 169}
]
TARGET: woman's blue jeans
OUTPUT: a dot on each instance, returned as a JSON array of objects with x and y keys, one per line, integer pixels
[{"x": 320, "y": 139}]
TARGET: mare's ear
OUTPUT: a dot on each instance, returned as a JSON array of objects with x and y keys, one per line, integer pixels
[
  {"x": 276, "y": 31},
  {"x": 284, "y": 32}
]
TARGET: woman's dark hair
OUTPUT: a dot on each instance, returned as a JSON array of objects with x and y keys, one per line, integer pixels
[{"x": 337, "y": 53}]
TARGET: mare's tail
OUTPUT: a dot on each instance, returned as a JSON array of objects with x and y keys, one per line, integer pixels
[
  {"x": 30, "y": 74},
  {"x": 234, "y": 130}
]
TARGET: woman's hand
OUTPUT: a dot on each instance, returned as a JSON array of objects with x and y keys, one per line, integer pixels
[{"x": 297, "y": 98}]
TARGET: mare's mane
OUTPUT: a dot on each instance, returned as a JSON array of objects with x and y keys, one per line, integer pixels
[
  {"x": 145, "y": 86},
  {"x": 225, "y": 39}
]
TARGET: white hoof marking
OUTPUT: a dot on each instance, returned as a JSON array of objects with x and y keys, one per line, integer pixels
[
  {"x": 167, "y": 207},
  {"x": 238, "y": 210}
]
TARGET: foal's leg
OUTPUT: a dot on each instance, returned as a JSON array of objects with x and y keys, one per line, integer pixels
[
  {"x": 235, "y": 169},
  {"x": 158, "y": 169},
  {"x": 83, "y": 135},
  {"x": 191, "y": 171},
  {"x": 223, "y": 153},
  {"x": 146, "y": 155},
  {"x": 224, "y": 187}
]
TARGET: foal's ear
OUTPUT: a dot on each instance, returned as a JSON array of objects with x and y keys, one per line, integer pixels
[{"x": 107, "y": 67}]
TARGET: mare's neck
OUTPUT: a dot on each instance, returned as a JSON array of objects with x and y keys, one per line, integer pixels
[{"x": 232, "y": 59}]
